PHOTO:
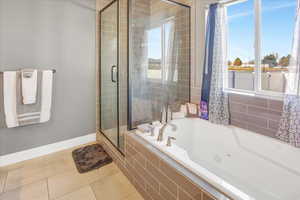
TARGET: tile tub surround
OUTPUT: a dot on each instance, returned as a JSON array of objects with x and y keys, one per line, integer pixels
[
  {"x": 151, "y": 173},
  {"x": 259, "y": 115}
]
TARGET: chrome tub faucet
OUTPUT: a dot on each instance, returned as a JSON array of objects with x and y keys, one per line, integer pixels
[{"x": 162, "y": 129}]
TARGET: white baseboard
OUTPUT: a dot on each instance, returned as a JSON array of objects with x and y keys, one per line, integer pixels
[{"x": 46, "y": 149}]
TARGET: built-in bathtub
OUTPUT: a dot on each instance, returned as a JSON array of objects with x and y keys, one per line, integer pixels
[{"x": 240, "y": 163}]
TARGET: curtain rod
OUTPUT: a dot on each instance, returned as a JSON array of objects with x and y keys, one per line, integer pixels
[{"x": 53, "y": 70}]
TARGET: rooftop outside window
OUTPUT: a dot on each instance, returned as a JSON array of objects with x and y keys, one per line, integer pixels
[{"x": 260, "y": 34}]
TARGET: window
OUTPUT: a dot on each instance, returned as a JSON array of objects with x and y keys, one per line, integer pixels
[
  {"x": 155, "y": 53},
  {"x": 160, "y": 47},
  {"x": 260, "y": 34}
]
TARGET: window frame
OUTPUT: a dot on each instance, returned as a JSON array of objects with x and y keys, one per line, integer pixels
[{"x": 258, "y": 91}]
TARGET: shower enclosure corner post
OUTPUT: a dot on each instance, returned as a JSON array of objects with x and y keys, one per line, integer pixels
[
  {"x": 129, "y": 92},
  {"x": 118, "y": 74},
  {"x": 190, "y": 56}
]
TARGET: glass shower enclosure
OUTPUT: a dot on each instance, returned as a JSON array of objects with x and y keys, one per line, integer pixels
[{"x": 144, "y": 63}]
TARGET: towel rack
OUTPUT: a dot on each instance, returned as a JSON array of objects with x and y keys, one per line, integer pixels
[{"x": 54, "y": 71}]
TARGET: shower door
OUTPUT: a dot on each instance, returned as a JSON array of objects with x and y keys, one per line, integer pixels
[{"x": 109, "y": 76}]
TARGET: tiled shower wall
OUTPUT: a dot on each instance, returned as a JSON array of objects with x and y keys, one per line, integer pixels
[{"x": 149, "y": 94}]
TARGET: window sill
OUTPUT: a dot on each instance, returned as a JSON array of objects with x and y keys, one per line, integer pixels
[{"x": 262, "y": 94}]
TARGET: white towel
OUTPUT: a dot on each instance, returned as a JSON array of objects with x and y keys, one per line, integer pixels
[
  {"x": 15, "y": 119},
  {"x": 10, "y": 99},
  {"x": 29, "y": 86},
  {"x": 47, "y": 80}
]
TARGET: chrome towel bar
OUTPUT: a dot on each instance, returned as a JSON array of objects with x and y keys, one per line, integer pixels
[{"x": 54, "y": 71}]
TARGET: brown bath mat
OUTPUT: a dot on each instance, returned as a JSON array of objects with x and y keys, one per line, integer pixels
[{"x": 90, "y": 157}]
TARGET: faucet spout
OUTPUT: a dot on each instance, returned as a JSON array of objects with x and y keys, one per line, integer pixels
[{"x": 162, "y": 131}]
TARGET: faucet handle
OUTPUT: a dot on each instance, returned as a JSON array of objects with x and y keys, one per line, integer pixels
[
  {"x": 170, "y": 138},
  {"x": 152, "y": 128}
]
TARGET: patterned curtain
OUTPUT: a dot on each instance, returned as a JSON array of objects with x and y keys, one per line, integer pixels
[
  {"x": 214, "y": 101},
  {"x": 289, "y": 127}
]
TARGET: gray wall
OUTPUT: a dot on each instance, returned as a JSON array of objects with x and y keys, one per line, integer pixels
[{"x": 47, "y": 34}]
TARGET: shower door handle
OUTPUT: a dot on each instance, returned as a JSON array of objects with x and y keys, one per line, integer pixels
[{"x": 112, "y": 71}]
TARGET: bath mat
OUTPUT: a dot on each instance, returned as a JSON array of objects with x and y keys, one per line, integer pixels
[{"x": 90, "y": 157}]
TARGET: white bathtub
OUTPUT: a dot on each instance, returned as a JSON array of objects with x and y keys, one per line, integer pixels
[{"x": 240, "y": 163}]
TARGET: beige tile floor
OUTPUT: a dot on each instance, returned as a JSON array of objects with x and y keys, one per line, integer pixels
[{"x": 54, "y": 177}]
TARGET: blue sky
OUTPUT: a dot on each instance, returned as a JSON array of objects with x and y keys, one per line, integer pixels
[
  {"x": 278, "y": 19},
  {"x": 155, "y": 41}
]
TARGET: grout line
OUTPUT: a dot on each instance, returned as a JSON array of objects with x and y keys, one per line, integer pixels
[
  {"x": 72, "y": 191},
  {"x": 188, "y": 194},
  {"x": 25, "y": 185},
  {"x": 48, "y": 188},
  {"x": 268, "y": 124},
  {"x": 128, "y": 195},
  {"x": 102, "y": 178},
  {"x": 4, "y": 184},
  {"x": 159, "y": 169},
  {"x": 272, "y": 109},
  {"x": 40, "y": 179},
  {"x": 93, "y": 188},
  {"x": 263, "y": 108},
  {"x": 92, "y": 191},
  {"x": 249, "y": 104},
  {"x": 165, "y": 187},
  {"x": 37, "y": 180},
  {"x": 254, "y": 116}
]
